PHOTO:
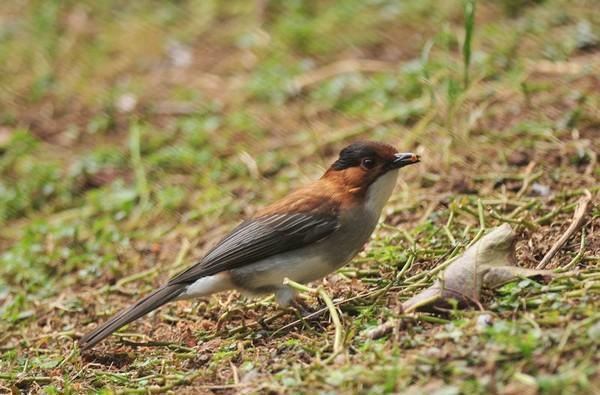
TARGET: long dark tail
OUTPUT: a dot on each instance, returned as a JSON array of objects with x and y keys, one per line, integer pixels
[{"x": 132, "y": 313}]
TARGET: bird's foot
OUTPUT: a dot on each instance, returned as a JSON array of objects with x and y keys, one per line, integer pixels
[{"x": 300, "y": 305}]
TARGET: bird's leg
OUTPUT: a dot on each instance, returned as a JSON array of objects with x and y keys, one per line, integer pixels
[
  {"x": 285, "y": 295},
  {"x": 300, "y": 304},
  {"x": 288, "y": 297}
]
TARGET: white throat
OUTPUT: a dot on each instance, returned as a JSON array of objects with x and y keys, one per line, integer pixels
[{"x": 380, "y": 191}]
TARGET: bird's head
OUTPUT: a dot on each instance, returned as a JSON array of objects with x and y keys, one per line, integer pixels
[
  {"x": 360, "y": 164},
  {"x": 369, "y": 169}
]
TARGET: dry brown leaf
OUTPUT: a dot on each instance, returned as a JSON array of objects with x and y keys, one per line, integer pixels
[{"x": 489, "y": 263}]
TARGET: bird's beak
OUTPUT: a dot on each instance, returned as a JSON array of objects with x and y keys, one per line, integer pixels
[{"x": 405, "y": 159}]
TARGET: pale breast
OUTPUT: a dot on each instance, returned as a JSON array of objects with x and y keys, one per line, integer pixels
[{"x": 380, "y": 191}]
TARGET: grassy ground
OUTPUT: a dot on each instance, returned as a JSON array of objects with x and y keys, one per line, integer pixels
[{"x": 134, "y": 134}]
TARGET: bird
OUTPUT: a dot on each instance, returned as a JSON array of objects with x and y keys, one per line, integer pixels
[{"x": 304, "y": 236}]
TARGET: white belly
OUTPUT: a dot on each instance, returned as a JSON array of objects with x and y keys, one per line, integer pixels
[
  {"x": 270, "y": 273},
  {"x": 207, "y": 285}
]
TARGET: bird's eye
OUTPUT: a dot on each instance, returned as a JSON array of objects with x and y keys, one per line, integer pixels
[{"x": 367, "y": 163}]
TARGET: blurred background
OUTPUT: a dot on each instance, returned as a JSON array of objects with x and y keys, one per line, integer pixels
[{"x": 134, "y": 134}]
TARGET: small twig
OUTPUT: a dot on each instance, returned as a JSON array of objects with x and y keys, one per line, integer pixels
[
  {"x": 68, "y": 357},
  {"x": 338, "y": 343},
  {"x": 411, "y": 259},
  {"x": 409, "y": 238},
  {"x": 480, "y": 214},
  {"x": 521, "y": 222},
  {"x": 577, "y": 258},
  {"x": 578, "y": 220},
  {"x": 522, "y": 208},
  {"x": 447, "y": 228},
  {"x": 481, "y": 230}
]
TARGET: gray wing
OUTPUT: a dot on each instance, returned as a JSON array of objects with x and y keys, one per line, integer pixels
[{"x": 260, "y": 238}]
